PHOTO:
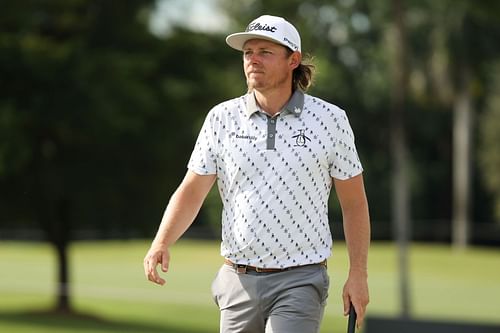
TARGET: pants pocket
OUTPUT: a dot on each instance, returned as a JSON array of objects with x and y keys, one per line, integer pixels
[
  {"x": 215, "y": 287},
  {"x": 326, "y": 285}
]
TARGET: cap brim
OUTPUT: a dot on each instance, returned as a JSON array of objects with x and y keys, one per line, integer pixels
[{"x": 237, "y": 40}]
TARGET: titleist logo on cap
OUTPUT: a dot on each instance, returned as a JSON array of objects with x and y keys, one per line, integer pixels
[
  {"x": 273, "y": 28},
  {"x": 257, "y": 26}
]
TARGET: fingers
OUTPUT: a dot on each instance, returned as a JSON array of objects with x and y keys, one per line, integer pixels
[
  {"x": 358, "y": 307},
  {"x": 164, "y": 263},
  {"x": 357, "y": 294},
  {"x": 360, "y": 313},
  {"x": 347, "y": 302},
  {"x": 151, "y": 272},
  {"x": 151, "y": 262}
]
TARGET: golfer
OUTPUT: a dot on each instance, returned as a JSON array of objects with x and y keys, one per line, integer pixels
[{"x": 275, "y": 152}]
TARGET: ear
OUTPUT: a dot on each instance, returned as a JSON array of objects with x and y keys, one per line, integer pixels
[{"x": 295, "y": 59}]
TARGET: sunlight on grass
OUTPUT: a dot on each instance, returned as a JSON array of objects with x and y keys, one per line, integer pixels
[{"x": 108, "y": 282}]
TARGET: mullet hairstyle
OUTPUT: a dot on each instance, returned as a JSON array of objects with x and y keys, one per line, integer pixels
[{"x": 303, "y": 75}]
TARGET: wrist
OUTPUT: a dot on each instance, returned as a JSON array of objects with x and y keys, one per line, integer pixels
[
  {"x": 159, "y": 243},
  {"x": 357, "y": 272}
]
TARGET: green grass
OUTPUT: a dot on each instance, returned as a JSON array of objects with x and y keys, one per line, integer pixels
[{"x": 111, "y": 293}]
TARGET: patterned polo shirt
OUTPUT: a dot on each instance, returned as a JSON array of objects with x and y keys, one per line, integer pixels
[{"x": 274, "y": 176}]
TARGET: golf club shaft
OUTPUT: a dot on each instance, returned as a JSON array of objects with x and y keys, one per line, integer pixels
[{"x": 351, "y": 324}]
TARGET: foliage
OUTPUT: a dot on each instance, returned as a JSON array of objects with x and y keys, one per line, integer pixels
[
  {"x": 489, "y": 152},
  {"x": 351, "y": 43},
  {"x": 96, "y": 111},
  {"x": 97, "y": 117}
]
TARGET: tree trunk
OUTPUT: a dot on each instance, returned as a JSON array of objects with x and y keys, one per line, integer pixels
[
  {"x": 54, "y": 218},
  {"x": 61, "y": 242},
  {"x": 462, "y": 133},
  {"x": 63, "y": 296},
  {"x": 53, "y": 214},
  {"x": 400, "y": 186}
]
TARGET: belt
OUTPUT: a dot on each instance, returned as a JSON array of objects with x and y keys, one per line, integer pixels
[{"x": 242, "y": 269}]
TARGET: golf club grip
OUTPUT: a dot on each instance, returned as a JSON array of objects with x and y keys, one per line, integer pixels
[{"x": 351, "y": 324}]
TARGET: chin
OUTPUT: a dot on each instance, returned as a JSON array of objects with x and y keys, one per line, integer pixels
[
  {"x": 251, "y": 85},
  {"x": 254, "y": 83}
]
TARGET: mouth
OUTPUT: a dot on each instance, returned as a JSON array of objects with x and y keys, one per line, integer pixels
[{"x": 255, "y": 73}]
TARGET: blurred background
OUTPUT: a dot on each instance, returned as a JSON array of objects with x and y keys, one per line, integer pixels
[{"x": 100, "y": 105}]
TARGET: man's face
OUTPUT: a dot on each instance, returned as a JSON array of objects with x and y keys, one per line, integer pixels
[{"x": 268, "y": 65}]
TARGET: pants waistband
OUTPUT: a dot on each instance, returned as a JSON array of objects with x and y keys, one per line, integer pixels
[{"x": 242, "y": 269}]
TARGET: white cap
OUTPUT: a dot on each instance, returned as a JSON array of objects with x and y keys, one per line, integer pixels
[{"x": 273, "y": 28}]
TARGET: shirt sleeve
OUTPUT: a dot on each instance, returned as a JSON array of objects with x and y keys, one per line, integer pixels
[
  {"x": 203, "y": 159},
  {"x": 345, "y": 162}
]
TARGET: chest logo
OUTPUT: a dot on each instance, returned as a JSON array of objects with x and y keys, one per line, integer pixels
[
  {"x": 300, "y": 139},
  {"x": 246, "y": 137}
]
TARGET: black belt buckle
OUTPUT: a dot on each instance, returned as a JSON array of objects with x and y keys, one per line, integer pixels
[{"x": 241, "y": 269}]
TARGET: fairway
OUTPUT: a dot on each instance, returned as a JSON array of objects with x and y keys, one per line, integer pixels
[{"x": 109, "y": 287}]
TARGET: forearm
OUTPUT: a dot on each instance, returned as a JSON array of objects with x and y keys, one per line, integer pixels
[
  {"x": 182, "y": 209},
  {"x": 357, "y": 235},
  {"x": 356, "y": 221},
  {"x": 176, "y": 219},
  {"x": 352, "y": 198}
]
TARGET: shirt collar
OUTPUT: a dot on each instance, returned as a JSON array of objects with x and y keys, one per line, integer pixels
[{"x": 294, "y": 106}]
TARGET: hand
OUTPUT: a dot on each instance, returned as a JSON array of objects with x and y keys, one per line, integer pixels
[
  {"x": 156, "y": 255},
  {"x": 356, "y": 291}
]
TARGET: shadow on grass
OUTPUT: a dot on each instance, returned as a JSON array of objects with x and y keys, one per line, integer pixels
[{"x": 70, "y": 322}]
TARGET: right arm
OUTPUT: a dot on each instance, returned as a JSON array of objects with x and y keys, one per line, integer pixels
[{"x": 179, "y": 214}]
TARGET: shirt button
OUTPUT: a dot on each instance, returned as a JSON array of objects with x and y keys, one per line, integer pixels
[
  {"x": 273, "y": 121},
  {"x": 271, "y": 135}
]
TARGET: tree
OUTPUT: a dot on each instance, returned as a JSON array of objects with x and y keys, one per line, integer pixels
[
  {"x": 460, "y": 33},
  {"x": 68, "y": 100},
  {"x": 489, "y": 154},
  {"x": 400, "y": 192},
  {"x": 96, "y": 117}
]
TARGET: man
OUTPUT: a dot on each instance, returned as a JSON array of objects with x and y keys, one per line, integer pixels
[{"x": 275, "y": 153}]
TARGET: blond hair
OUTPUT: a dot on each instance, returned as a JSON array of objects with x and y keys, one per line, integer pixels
[{"x": 303, "y": 75}]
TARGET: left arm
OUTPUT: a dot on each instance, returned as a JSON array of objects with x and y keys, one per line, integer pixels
[{"x": 356, "y": 220}]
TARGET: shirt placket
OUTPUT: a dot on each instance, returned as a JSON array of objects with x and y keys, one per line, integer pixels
[{"x": 271, "y": 132}]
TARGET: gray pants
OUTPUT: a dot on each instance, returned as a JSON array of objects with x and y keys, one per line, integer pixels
[{"x": 285, "y": 302}]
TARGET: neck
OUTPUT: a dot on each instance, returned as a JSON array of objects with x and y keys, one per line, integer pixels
[{"x": 273, "y": 101}]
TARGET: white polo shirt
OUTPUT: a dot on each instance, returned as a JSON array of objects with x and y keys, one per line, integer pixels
[{"x": 275, "y": 175}]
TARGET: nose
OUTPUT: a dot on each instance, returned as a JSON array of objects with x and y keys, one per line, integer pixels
[{"x": 252, "y": 58}]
